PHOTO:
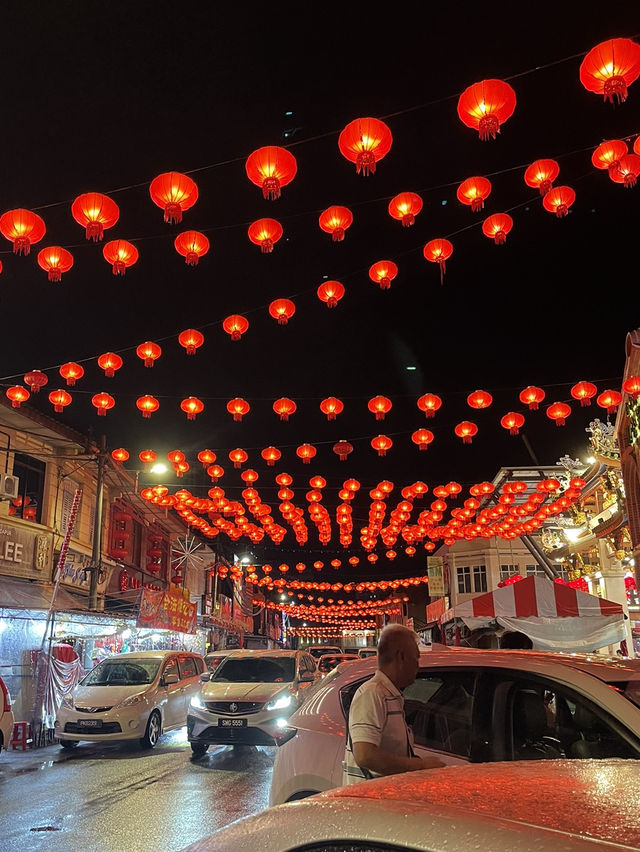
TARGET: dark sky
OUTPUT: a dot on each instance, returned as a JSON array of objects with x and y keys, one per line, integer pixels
[{"x": 103, "y": 97}]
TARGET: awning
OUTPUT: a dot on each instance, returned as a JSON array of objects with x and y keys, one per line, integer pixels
[{"x": 25, "y": 594}]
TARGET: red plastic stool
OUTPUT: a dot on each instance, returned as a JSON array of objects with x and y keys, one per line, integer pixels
[{"x": 20, "y": 737}]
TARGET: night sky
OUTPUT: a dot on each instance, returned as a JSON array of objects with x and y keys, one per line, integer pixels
[{"x": 104, "y": 97}]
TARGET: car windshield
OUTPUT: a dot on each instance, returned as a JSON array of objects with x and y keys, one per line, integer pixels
[
  {"x": 213, "y": 662},
  {"x": 256, "y": 670},
  {"x": 119, "y": 672},
  {"x": 319, "y": 652}
]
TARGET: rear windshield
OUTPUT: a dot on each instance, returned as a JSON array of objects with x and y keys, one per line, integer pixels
[
  {"x": 256, "y": 670},
  {"x": 318, "y": 652},
  {"x": 119, "y": 672}
]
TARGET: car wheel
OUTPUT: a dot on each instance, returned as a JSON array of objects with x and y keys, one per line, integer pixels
[
  {"x": 68, "y": 743},
  {"x": 199, "y": 749},
  {"x": 152, "y": 734}
]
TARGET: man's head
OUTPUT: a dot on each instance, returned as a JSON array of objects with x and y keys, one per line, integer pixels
[{"x": 398, "y": 654}]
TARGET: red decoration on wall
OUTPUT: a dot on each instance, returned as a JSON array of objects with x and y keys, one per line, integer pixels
[
  {"x": 381, "y": 443},
  {"x": 486, "y": 105},
  {"x": 35, "y": 379},
  {"x": 335, "y": 221},
  {"x": 497, "y": 226},
  {"x": 95, "y": 212},
  {"x": 284, "y": 407},
  {"x": 102, "y": 403},
  {"x": 109, "y": 362},
  {"x": 191, "y": 339},
  {"x": 513, "y": 421},
  {"x": 541, "y": 175},
  {"x": 584, "y": 391},
  {"x": 474, "y": 191},
  {"x": 174, "y": 193},
  {"x": 271, "y": 168},
  {"x": 265, "y": 233},
  {"x": 559, "y": 411},
  {"x": 55, "y": 260},
  {"x": 235, "y": 326},
  {"x": 382, "y": 273},
  {"x": 282, "y": 310},
  {"x": 610, "y": 400},
  {"x": 120, "y": 254},
  {"x": 238, "y": 407},
  {"x": 192, "y": 406},
  {"x": 17, "y": 394},
  {"x": 342, "y": 449},
  {"x": 331, "y": 406},
  {"x": 59, "y": 399},
  {"x": 429, "y": 403},
  {"x": 558, "y": 200},
  {"x": 466, "y": 430},
  {"x": 71, "y": 372},
  {"x": 147, "y": 405},
  {"x": 23, "y": 228},
  {"x": 149, "y": 353},
  {"x": 532, "y": 396},
  {"x": 365, "y": 141},
  {"x": 405, "y": 207},
  {"x": 379, "y": 405},
  {"x": 192, "y": 245},
  {"x": 438, "y": 251},
  {"x": 330, "y": 292},
  {"x": 610, "y": 67}
]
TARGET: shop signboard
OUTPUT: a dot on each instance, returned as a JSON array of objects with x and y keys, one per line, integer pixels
[
  {"x": 435, "y": 610},
  {"x": 167, "y": 610},
  {"x": 75, "y": 573},
  {"x": 436, "y": 576},
  {"x": 25, "y": 552},
  {"x": 225, "y": 608}
]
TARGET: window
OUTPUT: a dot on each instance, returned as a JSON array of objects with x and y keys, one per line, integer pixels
[
  {"x": 30, "y": 472},
  {"x": 507, "y": 571},
  {"x": 199, "y": 664},
  {"x": 464, "y": 580},
  {"x": 479, "y": 578},
  {"x": 171, "y": 667},
  {"x": 439, "y": 708},
  {"x": 187, "y": 667},
  {"x": 534, "y": 571}
]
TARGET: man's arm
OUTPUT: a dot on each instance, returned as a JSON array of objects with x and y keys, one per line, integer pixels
[{"x": 375, "y": 759}]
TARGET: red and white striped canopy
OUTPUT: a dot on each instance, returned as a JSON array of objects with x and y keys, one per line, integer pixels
[{"x": 539, "y": 597}]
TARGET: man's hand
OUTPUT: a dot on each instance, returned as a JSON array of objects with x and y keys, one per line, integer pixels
[{"x": 428, "y": 763}]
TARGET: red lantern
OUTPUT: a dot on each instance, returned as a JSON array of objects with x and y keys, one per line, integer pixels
[
  {"x": 364, "y": 142},
  {"x": 335, "y": 221},
  {"x": 422, "y": 437},
  {"x": 23, "y": 228},
  {"x": 331, "y": 407},
  {"x": 627, "y": 171},
  {"x": 607, "y": 155},
  {"x": 584, "y": 391},
  {"x": 192, "y": 245},
  {"x": 265, "y": 233},
  {"x": 238, "y": 457},
  {"x": 120, "y": 254},
  {"x": 36, "y": 379},
  {"x": 95, "y": 212},
  {"x": 17, "y": 394},
  {"x": 147, "y": 405},
  {"x": 238, "y": 407},
  {"x": 215, "y": 472},
  {"x": 148, "y": 352},
  {"x": 438, "y": 251},
  {"x": 147, "y": 456},
  {"x": 110, "y": 362},
  {"x": 59, "y": 398},
  {"x": 429, "y": 403},
  {"x": 235, "y": 326},
  {"x": 102, "y": 402},
  {"x": 558, "y": 200},
  {"x": 474, "y": 191},
  {"x": 271, "y": 167},
  {"x": 610, "y": 67},
  {"x": 282, "y": 310},
  {"x": 532, "y": 396},
  {"x": 513, "y": 421},
  {"x": 479, "y": 399},
  {"x": 306, "y": 452},
  {"x": 271, "y": 455},
  {"x": 486, "y": 105},
  {"x": 497, "y": 226},
  {"x": 541, "y": 175},
  {"x": 342, "y": 449},
  {"x": 330, "y": 292},
  {"x": 381, "y": 444},
  {"x": 71, "y": 371},
  {"x": 284, "y": 407},
  {"x": 609, "y": 399},
  {"x": 405, "y": 206},
  {"x": 174, "y": 193},
  {"x": 559, "y": 412},
  {"x": 249, "y": 476},
  {"x": 191, "y": 340},
  {"x": 631, "y": 385},
  {"x": 192, "y": 406},
  {"x": 55, "y": 260},
  {"x": 120, "y": 455},
  {"x": 466, "y": 430},
  {"x": 206, "y": 457},
  {"x": 379, "y": 405},
  {"x": 382, "y": 273}
]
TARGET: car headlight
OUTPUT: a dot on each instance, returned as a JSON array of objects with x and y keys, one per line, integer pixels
[
  {"x": 67, "y": 702},
  {"x": 131, "y": 700},
  {"x": 197, "y": 702},
  {"x": 279, "y": 703}
]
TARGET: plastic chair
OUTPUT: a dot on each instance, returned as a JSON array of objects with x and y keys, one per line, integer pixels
[{"x": 20, "y": 737}]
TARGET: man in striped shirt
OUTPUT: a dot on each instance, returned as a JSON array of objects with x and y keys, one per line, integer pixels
[{"x": 379, "y": 741}]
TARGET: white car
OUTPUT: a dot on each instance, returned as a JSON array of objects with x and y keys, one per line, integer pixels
[
  {"x": 546, "y": 806},
  {"x": 134, "y": 696},
  {"x": 248, "y": 698},
  {"x": 317, "y": 651},
  {"x": 473, "y": 706},
  {"x": 6, "y": 716}
]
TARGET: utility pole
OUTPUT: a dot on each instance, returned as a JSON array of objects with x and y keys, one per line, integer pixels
[{"x": 96, "y": 554}]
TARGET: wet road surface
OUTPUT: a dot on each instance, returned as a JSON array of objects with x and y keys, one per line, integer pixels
[{"x": 107, "y": 798}]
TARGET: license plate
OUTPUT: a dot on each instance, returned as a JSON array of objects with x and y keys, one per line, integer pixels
[
  {"x": 232, "y": 723},
  {"x": 90, "y": 723}
]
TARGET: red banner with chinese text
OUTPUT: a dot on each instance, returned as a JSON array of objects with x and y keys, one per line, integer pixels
[{"x": 167, "y": 610}]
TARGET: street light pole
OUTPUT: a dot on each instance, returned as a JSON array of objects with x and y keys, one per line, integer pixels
[{"x": 96, "y": 554}]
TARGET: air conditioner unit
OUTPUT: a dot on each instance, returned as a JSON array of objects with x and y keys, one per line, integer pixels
[{"x": 9, "y": 486}]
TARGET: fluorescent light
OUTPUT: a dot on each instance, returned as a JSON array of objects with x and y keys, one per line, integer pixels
[{"x": 159, "y": 468}]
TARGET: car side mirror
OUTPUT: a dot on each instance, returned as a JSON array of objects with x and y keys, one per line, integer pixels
[
  {"x": 170, "y": 678},
  {"x": 205, "y": 676}
]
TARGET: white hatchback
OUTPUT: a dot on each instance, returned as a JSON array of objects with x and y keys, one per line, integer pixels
[
  {"x": 472, "y": 706},
  {"x": 134, "y": 696}
]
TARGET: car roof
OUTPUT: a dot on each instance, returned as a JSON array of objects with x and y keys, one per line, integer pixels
[
  {"x": 151, "y": 655},
  {"x": 276, "y": 652}
]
